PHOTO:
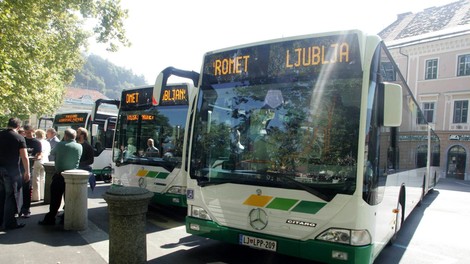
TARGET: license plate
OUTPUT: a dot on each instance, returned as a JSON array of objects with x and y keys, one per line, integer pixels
[{"x": 260, "y": 243}]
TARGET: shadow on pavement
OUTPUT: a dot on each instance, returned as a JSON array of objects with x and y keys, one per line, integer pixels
[{"x": 211, "y": 251}]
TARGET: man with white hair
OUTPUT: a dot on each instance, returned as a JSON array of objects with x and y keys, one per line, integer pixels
[
  {"x": 51, "y": 136},
  {"x": 67, "y": 157}
]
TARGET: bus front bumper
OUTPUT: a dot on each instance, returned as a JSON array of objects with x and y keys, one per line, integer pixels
[{"x": 309, "y": 249}]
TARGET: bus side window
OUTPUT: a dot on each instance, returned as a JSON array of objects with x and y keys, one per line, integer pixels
[{"x": 393, "y": 152}]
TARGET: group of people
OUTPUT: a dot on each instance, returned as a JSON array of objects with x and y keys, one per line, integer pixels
[
  {"x": 23, "y": 152},
  {"x": 38, "y": 153}
]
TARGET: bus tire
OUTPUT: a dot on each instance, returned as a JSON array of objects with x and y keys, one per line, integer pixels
[
  {"x": 434, "y": 183},
  {"x": 423, "y": 192},
  {"x": 400, "y": 215},
  {"x": 105, "y": 175}
]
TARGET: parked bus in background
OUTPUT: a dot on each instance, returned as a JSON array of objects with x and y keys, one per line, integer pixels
[
  {"x": 100, "y": 126},
  {"x": 148, "y": 142},
  {"x": 45, "y": 122},
  {"x": 310, "y": 146}
]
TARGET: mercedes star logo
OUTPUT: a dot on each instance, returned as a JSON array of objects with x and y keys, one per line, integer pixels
[
  {"x": 142, "y": 183},
  {"x": 258, "y": 218}
]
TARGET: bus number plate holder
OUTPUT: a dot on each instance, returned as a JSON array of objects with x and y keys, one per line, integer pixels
[{"x": 256, "y": 242}]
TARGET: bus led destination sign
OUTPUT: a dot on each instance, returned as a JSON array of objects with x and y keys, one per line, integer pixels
[
  {"x": 137, "y": 98},
  {"x": 132, "y": 98},
  {"x": 297, "y": 57},
  {"x": 174, "y": 95},
  {"x": 70, "y": 118},
  {"x": 225, "y": 66},
  {"x": 147, "y": 117},
  {"x": 144, "y": 117},
  {"x": 132, "y": 117},
  {"x": 316, "y": 55}
]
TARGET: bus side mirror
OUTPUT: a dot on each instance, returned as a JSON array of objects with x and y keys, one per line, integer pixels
[
  {"x": 94, "y": 129},
  {"x": 393, "y": 105}
]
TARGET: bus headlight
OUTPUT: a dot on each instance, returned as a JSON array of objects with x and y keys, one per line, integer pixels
[
  {"x": 346, "y": 236},
  {"x": 177, "y": 190},
  {"x": 199, "y": 212},
  {"x": 116, "y": 181}
]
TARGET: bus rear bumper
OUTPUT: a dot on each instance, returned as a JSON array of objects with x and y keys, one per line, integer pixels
[{"x": 310, "y": 249}]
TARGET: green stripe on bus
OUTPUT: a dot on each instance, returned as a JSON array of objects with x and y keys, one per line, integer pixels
[
  {"x": 282, "y": 203},
  {"x": 308, "y": 207},
  {"x": 162, "y": 175},
  {"x": 152, "y": 174}
]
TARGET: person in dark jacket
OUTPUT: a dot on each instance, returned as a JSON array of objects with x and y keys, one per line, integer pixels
[
  {"x": 35, "y": 153},
  {"x": 12, "y": 150},
  {"x": 88, "y": 156}
]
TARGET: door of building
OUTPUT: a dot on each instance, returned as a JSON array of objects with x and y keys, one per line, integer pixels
[{"x": 456, "y": 158}]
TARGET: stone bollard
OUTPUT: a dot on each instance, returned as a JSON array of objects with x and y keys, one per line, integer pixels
[
  {"x": 50, "y": 170},
  {"x": 127, "y": 207},
  {"x": 76, "y": 199}
]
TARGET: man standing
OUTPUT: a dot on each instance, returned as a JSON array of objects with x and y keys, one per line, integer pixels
[
  {"x": 34, "y": 153},
  {"x": 12, "y": 149},
  {"x": 88, "y": 156},
  {"x": 67, "y": 157},
  {"x": 51, "y": 136}
]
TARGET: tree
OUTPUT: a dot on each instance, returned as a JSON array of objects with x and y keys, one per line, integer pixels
[{"x": 40, "y": 49}]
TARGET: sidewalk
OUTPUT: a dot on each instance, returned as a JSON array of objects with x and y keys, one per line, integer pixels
[
  {"x": 167, "y": 239},
  {"x": 52, "y": 244}
]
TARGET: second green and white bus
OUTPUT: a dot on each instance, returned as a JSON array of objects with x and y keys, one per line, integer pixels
[
  {"x": 158, "y": 115},
  {"x": 100, "y": 126},
  {"x": 310, "y": 146}
]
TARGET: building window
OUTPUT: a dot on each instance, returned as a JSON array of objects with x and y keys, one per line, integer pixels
[
  {"x": 428, "y": 113},
  {"x": 421, "y": 156},
  {"x": 388, "y": 72},
  {"x": 431, "y": 69},
  {"x": 464, "y": 65},
  {"x": 460, "y": 111}
]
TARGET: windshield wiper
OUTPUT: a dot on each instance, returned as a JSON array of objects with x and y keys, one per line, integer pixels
[
  {"x": 299, "y": 184},
  {"x": 235, "y": 176},
  {"x": 204, "y": 181}
]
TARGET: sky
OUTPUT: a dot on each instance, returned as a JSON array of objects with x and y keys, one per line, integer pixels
[{"x": 178, "y": 32}]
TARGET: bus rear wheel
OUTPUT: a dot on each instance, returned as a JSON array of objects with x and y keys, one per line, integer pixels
[{"x": 106, "y": 174}]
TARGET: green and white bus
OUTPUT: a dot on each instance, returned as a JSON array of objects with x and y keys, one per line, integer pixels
[
  {"x": 309, "y": 146},
  {"x": 100, "y": 123},
  {"x": 158, "y": 115}
]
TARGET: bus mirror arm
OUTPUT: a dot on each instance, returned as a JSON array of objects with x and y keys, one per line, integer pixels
[
  {"x": 101, "y": 101},
  {"x": 162, "y": 78}
]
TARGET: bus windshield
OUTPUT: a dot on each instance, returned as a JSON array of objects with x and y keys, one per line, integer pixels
[
  {"x": 152, "y": 136},
  {"x": 296, "y": 130}
]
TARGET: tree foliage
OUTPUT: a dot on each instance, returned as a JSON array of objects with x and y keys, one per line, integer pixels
[
  {"x": 103, "y": 76},
  {"x": 40, "y": 49}
]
